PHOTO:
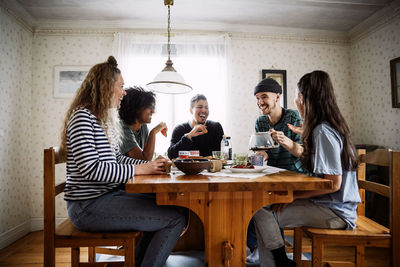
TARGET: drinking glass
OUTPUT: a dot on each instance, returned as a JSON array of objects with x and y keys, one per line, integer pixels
[{"x": 217, "y": 155}]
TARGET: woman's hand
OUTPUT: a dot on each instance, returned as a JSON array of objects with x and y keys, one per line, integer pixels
[
  {"x": 295, "y": 129},
  {"x": 156, "y": 166},
  {"x": 161, "y": 126}
]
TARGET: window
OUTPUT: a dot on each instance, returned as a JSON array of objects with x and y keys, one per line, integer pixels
[{"x": 202, "y": 61}]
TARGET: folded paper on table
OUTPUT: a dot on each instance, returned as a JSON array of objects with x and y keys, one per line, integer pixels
[{"x": 227, "y": 173}]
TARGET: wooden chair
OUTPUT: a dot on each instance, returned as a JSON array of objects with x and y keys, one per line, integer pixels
[
  {"x": 368, "y": 233},
  {"x": 66, "y": 235}
]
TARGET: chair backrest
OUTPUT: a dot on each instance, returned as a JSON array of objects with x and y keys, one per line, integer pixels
[
  {"x": 51, "y": 190},
  {"x": 390, "y": 159}
]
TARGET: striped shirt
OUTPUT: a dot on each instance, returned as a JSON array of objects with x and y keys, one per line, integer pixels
[
  {"x": 280, "y": 157},
  {"x": 93, "y": 167}
]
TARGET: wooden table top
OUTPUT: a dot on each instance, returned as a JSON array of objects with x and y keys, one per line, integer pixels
[{"x": 282, "y": 181}]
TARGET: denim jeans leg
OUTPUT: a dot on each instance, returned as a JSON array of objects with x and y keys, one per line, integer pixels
[
  {"x": 118, "y": 211},
  {"x": 251, "y": 235},
  {"x": 301, "y": 212}
]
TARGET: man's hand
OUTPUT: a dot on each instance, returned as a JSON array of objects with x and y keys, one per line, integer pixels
[
  {"x": 281, "y": 138},
  {"x": 197, "y": 130},
  {"x": 263, "y": 153}
]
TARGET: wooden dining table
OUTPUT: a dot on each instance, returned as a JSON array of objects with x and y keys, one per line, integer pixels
[{"x": 225, "y": 205}]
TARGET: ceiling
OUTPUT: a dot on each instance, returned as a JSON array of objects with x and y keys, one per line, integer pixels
[{"x": 218, "y": 15}]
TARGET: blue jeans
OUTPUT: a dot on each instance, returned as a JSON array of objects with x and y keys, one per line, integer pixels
[
  {"x": 301, "y": 212},
  {"x": 252, "y": 235},
  {"x": 119, "y": 211}
]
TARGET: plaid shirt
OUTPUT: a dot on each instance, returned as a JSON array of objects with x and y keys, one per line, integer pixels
[{"x": 280, "y": 157}]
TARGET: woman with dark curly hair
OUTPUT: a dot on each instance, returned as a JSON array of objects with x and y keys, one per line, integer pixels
[
  {"x": 136, "y": 110},
  {"x": 97, "y": 172},
  {"x": 328, "y": 153}
]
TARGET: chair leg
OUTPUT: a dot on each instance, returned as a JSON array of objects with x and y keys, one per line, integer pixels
[
  {"x": 75, "y": 257},
  {"x": 298, "y": 245},
  {"x": 49, "y": 256},
  {"x": 360, "y": 255},
  {"x": 91, "y": 254},
  {"x": 317, "y": 252},
  {"x": 129, "y": 247}
]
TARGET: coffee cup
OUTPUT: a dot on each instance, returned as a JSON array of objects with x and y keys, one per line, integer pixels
[
  {"x": 215, "y": 165},
  {"x": 167, "y": 166}
]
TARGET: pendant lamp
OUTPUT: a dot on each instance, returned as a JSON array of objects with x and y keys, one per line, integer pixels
[{"x": 169, "y": 81}]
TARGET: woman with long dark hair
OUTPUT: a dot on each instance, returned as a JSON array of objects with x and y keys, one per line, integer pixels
[{"x": 328, "y": 153}]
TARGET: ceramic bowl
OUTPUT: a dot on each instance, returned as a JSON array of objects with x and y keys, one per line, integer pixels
[{"x": 192, "y": 166}]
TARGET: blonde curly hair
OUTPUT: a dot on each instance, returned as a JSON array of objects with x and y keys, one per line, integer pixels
[{"x": 96, "y": 94}]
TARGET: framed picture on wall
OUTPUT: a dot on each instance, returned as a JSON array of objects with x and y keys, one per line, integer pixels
[
  {"x": 395, "y": 77},
  {"x": 68, "y": 79},
  {"x": 280, "y": 77}
]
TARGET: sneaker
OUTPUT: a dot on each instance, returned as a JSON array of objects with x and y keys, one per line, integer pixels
[{"x": 253, "y": 257}]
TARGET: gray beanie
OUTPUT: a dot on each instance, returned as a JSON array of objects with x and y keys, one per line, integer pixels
[{"x": 268, "y": 85}]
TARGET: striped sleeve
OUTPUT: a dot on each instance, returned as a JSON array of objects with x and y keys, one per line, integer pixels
[{"x": 90, "y": 151}]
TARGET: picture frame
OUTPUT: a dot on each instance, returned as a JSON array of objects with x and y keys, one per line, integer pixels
[
  {"x": 280, "y": 77},
  {"x": 395, "y": 78},
  {"x": 68, "y": 79}
]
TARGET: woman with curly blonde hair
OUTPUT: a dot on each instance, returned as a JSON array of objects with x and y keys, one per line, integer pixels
[{"x": 97, "y": 172}]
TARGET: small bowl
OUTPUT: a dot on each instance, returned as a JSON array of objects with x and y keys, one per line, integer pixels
[{"x": 192, "y": 166}]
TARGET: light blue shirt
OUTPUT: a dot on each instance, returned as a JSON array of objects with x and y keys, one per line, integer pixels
[{"x": 326, "y": 159}]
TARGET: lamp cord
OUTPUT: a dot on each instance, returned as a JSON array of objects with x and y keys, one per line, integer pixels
[{"x": 169, "y": 32}]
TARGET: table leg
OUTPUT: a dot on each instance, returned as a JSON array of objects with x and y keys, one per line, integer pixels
[{"x": 225, "y": 216}]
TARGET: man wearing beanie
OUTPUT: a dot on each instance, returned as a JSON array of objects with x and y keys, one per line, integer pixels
[{"x": 275, "y": 118}]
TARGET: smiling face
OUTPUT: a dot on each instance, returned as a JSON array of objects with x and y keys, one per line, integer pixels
[
  {"x": 147, "y": 113},
  {"x": 119, "y": 91},
  {"x": 200, "y": 111},
  {"x": 267, "y": 101}
]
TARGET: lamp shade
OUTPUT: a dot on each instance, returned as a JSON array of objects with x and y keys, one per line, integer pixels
[{"x": 169, "y": 81}]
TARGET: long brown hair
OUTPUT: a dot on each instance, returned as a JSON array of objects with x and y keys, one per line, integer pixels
[
  {"x": 320, "y": 106},
  {"x": 96, "y": 94}
]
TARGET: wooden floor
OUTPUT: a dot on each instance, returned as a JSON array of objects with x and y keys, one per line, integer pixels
[{"x": 28, "y": 251}]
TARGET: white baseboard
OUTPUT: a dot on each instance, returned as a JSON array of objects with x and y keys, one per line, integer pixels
[
  {"x": 37, "y": 223},
  {"x": 19, "y": 231},
  {"x": 14, "y": 234}
]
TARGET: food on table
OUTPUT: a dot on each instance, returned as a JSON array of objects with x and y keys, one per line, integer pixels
[
  {"x": 164, "y": 132},
  {"x": 247, "y": 166}
]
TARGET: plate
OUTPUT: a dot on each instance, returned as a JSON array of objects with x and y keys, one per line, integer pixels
[{"x": 256, "y": 169}]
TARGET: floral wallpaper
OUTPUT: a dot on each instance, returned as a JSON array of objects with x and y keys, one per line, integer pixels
[
  {"x": 15, "y": 94},
  {"x": 375, "y": 121},
  {"x": 47, "y": 112},
  {"x": 31, "y": 118}
]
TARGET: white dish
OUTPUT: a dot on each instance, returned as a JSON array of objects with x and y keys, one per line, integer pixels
[{"x": 240, "y": 170}]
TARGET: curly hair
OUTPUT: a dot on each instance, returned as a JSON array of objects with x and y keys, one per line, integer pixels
[
  {"x": 96, "y": 94},
  {"x": 134, "y": 102},
  {"x": 321, "y": 106}
]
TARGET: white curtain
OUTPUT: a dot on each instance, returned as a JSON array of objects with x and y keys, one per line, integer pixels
[{"x": 202, "y": 60}]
